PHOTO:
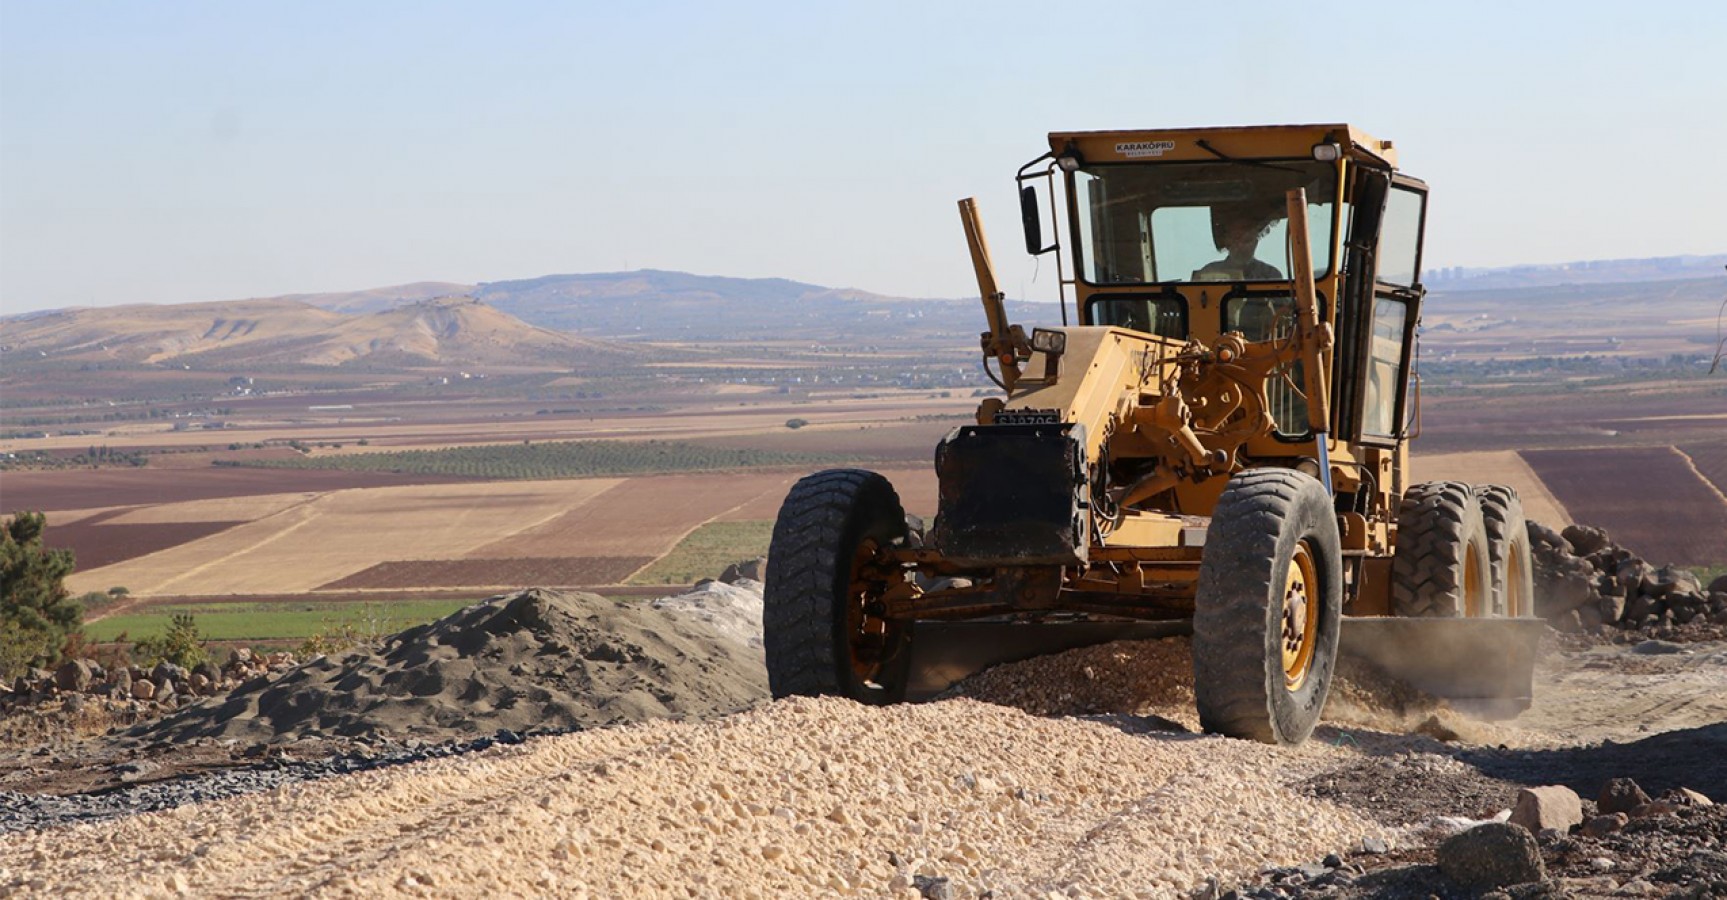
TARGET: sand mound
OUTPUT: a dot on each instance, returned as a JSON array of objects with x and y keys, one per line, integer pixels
[{"x": 531, "y": 660}]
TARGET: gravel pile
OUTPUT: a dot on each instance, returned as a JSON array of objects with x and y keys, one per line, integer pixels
[
  {"x": 531, "y": 660},
  {"x": 798, "y": 798},
  {"x": 1133, "y": 678}
]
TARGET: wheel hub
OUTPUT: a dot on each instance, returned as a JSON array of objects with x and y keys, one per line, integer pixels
[{"x": 1300, "y": 618}]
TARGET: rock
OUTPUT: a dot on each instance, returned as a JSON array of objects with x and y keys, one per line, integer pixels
[
  {"x": 74, "y": 703},
  {"x": 240, "y": 656},
  {"x": 73, "y": 675},
  {"x": 1673, "y": 580},
  {"x": 144, "y": 689},
  {"x": 168, "y": 671},
  {"x": 1631, "y": 574},
  {"x": 1657, "y": 648},
  {"x": 1654, "y": 808},
  {"x": 1543, "y": 537},
  {"x": 121, "y": 679},
  {"x": 1553, "y": 806},
  {"x": 208, "y": 670},
  {"x": 752, "y": 569},
  {"x": 201, "y": 685},
  {"x": 1620, "y": 795},
  {"x": 1640, "y": 607},
  {"x": 1686, "y": 797},
  {"x": 1493, "y": 855},
  {"x": 1585, "y": 540},
  {"x": 1375, "y": 846},
  {"x": 932, "y": 888},
  {"x": 1611, "y": 607},
  {"x": 164, "y": 689},
  {"x": 1568, "y": 622},
  {"x": 1719, "y": 585},
  {"x": 1601, "y": 826}
]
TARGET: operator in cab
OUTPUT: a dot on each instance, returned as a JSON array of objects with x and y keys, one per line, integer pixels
[{"x": 1236, "y": 229}]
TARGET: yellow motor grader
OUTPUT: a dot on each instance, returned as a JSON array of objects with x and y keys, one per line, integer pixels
[{"x": 1214, "y": 439}]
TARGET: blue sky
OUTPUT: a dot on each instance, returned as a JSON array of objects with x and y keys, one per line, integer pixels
[{"x": 170, "y": 152}]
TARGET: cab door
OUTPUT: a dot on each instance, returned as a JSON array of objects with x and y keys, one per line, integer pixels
[
  {"x": 1379, "y": 303},
  {"x": 1396, "y": 306}
]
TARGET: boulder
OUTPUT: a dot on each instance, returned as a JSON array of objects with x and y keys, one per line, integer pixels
[
  {"x": 1686, "y": 797},
  {"x": 1601, "y": 826},
  {"x": 168, "y": 671},
  {"x": 1719, "y": 585},
  {"x": 753, "y": 569},
  {"x": 240, "y": 656},
  {"x": 1585, "y": 540},
  {"x": 164, "y": 688},
  {"x": 1620, "y": 795},
  {"x": 1632, "y": 573},
  {"x": 207, "y": 669},
  {"x": 1642, "y": 606},
  {"x": 144, "y": 689},
  {"x": 73, "y": 675},
  {"x": 1542, "y": 537},
  {"x": 1554, "y": 806},
  {"x": 1672, "y": 579},
  {"x": 1492, "y": 855},
  {"x": 74, "y": 704},
  {"x": 1611, "y": 607}
]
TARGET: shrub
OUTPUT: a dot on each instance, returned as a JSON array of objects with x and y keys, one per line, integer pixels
[
  {"x": 182, "y": 644},
  {"x": 36, "y": 614}
]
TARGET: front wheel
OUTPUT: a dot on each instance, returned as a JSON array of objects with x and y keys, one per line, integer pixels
[
  {"x": 822, "y": 628},
  {"x": 1269, "y": 608}
]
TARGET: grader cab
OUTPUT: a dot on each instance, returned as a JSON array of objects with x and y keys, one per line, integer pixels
[{"x": 1214, "y": 440}]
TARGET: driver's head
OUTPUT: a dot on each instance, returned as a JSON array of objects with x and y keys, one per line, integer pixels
[{"x": 1239, "y": 226}]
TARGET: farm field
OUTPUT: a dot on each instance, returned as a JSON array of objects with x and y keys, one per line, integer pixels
[
  {"x": 473, "y": 535},
  {"x": 274, "y": 621},
  {"x": 1651, "y": 499},
  {"x": 1710, "y": 460},
  {"x": 1495, "y": 467}
]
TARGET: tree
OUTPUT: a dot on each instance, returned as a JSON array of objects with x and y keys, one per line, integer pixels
[{"x": 36, "y": 613}]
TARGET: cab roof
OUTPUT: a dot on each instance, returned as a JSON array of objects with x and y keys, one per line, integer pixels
[{"x": 1241, "y": 142}]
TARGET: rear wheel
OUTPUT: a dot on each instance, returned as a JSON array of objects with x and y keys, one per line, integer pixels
[
  {"x": 1268, "y": 608},
  {"x": 1441, "y": 567},
  {"x": 1513, "y": 573},
  {"x": 822, "y": 627}
]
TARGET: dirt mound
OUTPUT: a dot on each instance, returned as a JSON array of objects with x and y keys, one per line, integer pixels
[{"x": 531, "y": 660}]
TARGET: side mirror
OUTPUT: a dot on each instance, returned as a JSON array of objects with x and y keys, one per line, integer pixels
[{"x": 1028, "y": 216}]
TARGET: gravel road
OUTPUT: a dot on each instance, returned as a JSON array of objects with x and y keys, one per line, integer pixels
[{"x": 799, "y": 798}]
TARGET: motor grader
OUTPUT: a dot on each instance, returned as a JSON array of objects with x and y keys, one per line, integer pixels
[{"x": 1214, "y": 440}]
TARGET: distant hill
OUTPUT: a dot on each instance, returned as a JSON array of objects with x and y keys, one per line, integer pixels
[
  {"x": 286, "y": 332},
  {"x": 1600, "y": 271}
]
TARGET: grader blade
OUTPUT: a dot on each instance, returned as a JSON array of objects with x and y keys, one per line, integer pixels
[
  {"x": 945, "y": 653},
  {"x": 1482, "y": 667}
]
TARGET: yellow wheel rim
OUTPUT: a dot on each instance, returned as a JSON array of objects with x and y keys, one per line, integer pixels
[
  {"x": 1300, "y": 617},
  {"x": 1474, "y": 585},
  {"x": 1514, "y": 599}
]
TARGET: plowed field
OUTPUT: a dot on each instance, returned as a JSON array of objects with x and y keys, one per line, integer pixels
[
  {"x": 1650, "y": 499},
  {"x": 493, "y": 573}
]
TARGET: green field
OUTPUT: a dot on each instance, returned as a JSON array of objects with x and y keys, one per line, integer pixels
[
  {"x": 283, "y": 621},
  {"x": 550, "y": 459},
  {"x": 705, "y": 552}
]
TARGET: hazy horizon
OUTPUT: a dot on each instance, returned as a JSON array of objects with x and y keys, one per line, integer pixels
[{"x": 181, "y": 153}]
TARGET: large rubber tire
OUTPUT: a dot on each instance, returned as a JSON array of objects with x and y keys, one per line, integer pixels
[
  {"x": 1441, "y": 568},
  {"x": 1508, "y": 553},
  {"x": 809, "y": 606},
  {"x": 1241, "y": 680}
]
